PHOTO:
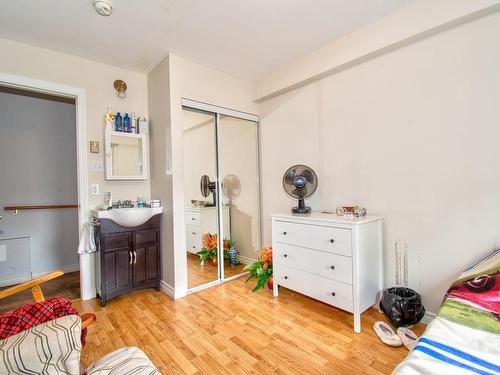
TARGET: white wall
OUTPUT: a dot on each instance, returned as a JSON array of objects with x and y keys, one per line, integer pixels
[
  {"x": 185, "y": 79},
  {"x": 412, "y": 135},
  {"x": 97, "y": 79}
]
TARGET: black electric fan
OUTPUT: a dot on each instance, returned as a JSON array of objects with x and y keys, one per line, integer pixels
[
  {"x": 300, "y": 182},
  {"x": 207, "y": 187}
]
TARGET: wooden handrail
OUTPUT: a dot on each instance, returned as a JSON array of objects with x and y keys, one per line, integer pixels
[{"x": 40, "y": 207}]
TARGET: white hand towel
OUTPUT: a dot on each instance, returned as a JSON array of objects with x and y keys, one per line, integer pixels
[{"x": 87, "y": 240}]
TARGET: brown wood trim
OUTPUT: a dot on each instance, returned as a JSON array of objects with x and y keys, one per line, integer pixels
[
  {"x": 30, "y": 284},
  {"x": 40, "y": 207},
  {"x": 87, "y": 319}
]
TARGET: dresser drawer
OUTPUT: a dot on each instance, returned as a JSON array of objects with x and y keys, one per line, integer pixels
[
  {"x": 146, "y": 236},
  {"x": 326, "y": 290},
  {"x": 193, "y": 238},
  {"x": 332, "y": 266},
  {"x": 192, "y": 218},
  {"x": 332, "y": 240},
  {"x": 116, "y": 241}
]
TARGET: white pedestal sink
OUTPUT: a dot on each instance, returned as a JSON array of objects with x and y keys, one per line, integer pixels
[{"x": 128, "y": 217}]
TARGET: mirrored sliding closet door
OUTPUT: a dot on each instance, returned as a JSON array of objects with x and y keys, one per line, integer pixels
[{"x": 221, "y": 193}]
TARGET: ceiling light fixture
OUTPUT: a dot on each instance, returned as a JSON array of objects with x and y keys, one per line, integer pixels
[{"x": 103, "y": 7}]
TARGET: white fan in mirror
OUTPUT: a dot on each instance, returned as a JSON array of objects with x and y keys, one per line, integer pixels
[{"x": 231, "y": 187}]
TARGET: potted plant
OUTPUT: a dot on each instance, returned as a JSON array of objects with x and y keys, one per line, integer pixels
[
  {"x": 262, "y": 270},
  {"x": 209, "y": 249}
]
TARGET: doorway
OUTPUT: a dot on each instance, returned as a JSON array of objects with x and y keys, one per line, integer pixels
[
  {"x": 221, "y": 193},
  {"x": 42, "y": 205}
]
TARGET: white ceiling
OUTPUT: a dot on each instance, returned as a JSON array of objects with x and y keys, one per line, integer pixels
[{"x": 245, "y": 38}]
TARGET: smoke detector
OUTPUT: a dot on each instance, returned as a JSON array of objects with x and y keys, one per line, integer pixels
[{"x": 103, "y": 7}]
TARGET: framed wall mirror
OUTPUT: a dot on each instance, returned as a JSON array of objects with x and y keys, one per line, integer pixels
[{"x": 127, "y": 155}]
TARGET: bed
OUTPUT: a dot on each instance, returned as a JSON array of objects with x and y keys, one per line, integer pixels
[{"x": 464, "y": 338}]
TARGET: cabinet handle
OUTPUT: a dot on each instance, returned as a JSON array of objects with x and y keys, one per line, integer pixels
[
  {"x": 333, "y": 294},
  {"x": 193, "y": 233},
  {"x": 131, "y": 257},
  {"x": 332, "y": 267},
  {"x": 286, "y": 277},
  {"x": 332, "y": 240},
  {"x": 284, "y": 233},
  {"x": 193, "y": 218},
  {"x": 285, "y": 255},
  {"x": 135, "y": 257}
]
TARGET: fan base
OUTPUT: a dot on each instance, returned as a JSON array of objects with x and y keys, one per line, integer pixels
[{"x": 301, "y": 210}]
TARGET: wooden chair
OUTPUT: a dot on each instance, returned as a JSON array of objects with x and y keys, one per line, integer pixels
[{"x": 87, "y": 319}]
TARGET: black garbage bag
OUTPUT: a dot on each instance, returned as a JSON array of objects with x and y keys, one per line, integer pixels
[{"x": 402, "y": 306}]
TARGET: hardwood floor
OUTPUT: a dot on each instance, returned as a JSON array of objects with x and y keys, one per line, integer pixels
[
  {"x": 199, "y": 275},
  {"x": 66, "y": 286},
  {"x": 228, "y": 329}
]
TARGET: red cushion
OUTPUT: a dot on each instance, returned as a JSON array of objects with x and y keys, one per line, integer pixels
[{"x": 33, "y": 314}]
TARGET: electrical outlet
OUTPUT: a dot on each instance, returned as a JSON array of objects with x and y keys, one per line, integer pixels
[
  {"x": 3, "y": 253},
  {"x": 94, "y": 189},
  {"x": 97, "y": 166}
]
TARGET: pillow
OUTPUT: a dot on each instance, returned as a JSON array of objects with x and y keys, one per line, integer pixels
[
  {"x": 53, "y": 347},
  {"x": 130, "y": 360}
]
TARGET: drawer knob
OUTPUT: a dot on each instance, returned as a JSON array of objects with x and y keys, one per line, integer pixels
[
  {"x": 193, "y": 233},
  {"x": 333, "y": 294},
  {"x": 285, "y": 255},
  {"x": 332, "y": 240},
  {"x": 332, "y": 267},
  {"x": 286, "y": 277},
  {"x": 284, "y": 233},
  {"x": 193, "y": 218}
]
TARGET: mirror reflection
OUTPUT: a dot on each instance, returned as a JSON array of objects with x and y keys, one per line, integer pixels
[
  {"x": 238, "y": 158},
  {"x": 200, "y": 173},
  {"x": 126, "y": 156},
  {"x": 236, "y": 155}
]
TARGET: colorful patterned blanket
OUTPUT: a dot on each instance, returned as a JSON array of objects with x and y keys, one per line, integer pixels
[
  {"x": 464, "y": 338},
  {"x": 33, "y": 314}
]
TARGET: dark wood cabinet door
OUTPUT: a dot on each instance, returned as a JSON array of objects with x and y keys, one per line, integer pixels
[
  {"x": 117, "y": 270},
  {"x": 146, "y": 265},
  {"x": 146, "y": 261},
  {"x": 116, "y": 267}
]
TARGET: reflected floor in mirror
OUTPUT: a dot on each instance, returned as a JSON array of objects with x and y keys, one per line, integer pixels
[{"x": 199, "y": 275}]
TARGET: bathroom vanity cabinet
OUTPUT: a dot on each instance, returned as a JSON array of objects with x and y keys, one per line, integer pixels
[{"x": 128, "y": 257}]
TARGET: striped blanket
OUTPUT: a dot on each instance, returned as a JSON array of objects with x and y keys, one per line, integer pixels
[{"x": 464, "y": 338}]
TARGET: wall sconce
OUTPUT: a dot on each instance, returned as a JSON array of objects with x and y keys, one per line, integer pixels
[{"x": 121, "y": 88}]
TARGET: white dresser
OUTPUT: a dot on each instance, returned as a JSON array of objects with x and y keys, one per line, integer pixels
[
  {"x": 201, "y": 220},
  {"x": 334, "y": 259}
]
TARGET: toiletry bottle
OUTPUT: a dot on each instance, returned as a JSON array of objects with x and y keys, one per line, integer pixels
[
  {"x": 118, "y": 122},
  {"x": 143, "y": 126},
  {"x": 133, "y": 123},
  {"x": 108, "y": 201},
  {"x": 126, "y": 123}
]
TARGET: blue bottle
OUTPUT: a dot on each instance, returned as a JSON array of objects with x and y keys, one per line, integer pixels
[
  {"x": 126, "y": 123},
  {"x": 118, "y": 122}
]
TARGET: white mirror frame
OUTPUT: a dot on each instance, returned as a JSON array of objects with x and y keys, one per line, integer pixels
[{"x": 144, "y": 138}]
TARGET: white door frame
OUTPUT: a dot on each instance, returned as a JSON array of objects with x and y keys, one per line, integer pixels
[{"x": 87, "y": 273}]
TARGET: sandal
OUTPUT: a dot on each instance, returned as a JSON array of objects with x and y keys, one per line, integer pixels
[
  {"x": 408, "y": 337},
  {"x": 385, "y": 333}
]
